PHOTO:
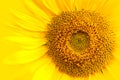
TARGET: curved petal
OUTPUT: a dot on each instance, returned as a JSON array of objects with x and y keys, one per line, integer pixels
[
  {"x": 26, "y": 40},
  {"x": 25, "y": 56},
  {"x": 86, "y": 4},
  {"x": 93, "y": 77},
  {"x": 18, "y": 30},
  {"x": 11, "y": 72},
  {"x": 39, "y": 13},
  {"x": 107, "y": 7},
  {"x": 110, "y": 73},
  {"x": 66, "y": 5},
  {"x": 57, "y": 75},
  {"x": 45, "y": 72},
  {"x": 113, "y": 69},
  {"x": 39, "y": 63},
  {"x": 78, "y": 4},
  {"x": 26, "y": 76},
  {"x": 103, "y": 6},
  {"x": 115, "y": 19},
  {"x": 99, "y": 76},
  {"x": 7, "y": 47},
  {"x": 65, "y": 77},
  {"x": 46, "y": 6},
  {"x": 29, "y": 22}
]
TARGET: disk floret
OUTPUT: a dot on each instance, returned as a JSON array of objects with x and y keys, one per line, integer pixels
[{"x": 80, "y": 43}]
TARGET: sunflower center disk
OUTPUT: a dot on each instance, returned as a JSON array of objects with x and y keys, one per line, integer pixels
[{"x": 80, "y": 43}]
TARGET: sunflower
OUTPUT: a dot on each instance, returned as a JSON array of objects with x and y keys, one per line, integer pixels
[{"x": 67, "y": 39}]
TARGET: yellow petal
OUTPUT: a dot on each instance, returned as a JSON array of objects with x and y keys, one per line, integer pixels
[
  {"x": 107, "y": 7},
  {"x": 25, "y": 56},
  {"x": 57, "y": 75},
  {"x": 7, "y": 48},
  {"x": 66, "y": 5},
  {"x": 109, "y": 76},
  {"x": 104, "y": 6},
  {"x": 86, "y": 4},
  {"x": 94, "y": 5},
  {"x": 113, "y": 69},
  {"x": 26, "y": 76},
  {"x": 29, "y": 22},
  {"x": 116, "y": 24},
  {"x": 11, "y": 72},
  {"x": 78, "y": 4},
  {"x": 26, "y": 40},
  {"x": 19, "y": 30},
  {"x": 100, "y": 4},
  {"x": 92, "y": 77},
  {"x": 39, "y": 63},
  {"x": 98, "y": 76},
  {"x": 45, "y": 72},
  {"x": 40, "y": 14},
  {"x": 105, "y": 74},
  {"x": 46, "y": 6},
  {"x": 65, "y": 77}
]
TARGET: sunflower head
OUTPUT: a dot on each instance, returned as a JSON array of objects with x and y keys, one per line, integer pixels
[
  {"x": 80, "y": 42},
  {"x": 65, "y": 38}
]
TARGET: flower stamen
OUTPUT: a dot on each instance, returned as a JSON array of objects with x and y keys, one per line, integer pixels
[{"x": 80, "y": 43}]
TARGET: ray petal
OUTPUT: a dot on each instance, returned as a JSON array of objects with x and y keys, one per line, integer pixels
[
  {"x": 25, "y": 56},
  {"x": 86, "y": 4},
  {"x": 39, "y": 63},
  {"x": 40, "y": 14},
  {"x": 78, "y": 4},
  {"x": 113, "y": 69},
  {"x": 19, "y": 30},
  {"x": 11, "y": 71},
  {"x": 107, "y": 74},
  {"x": 45, "y": 72},
  {"x": 65, "y": 77},
  {"x": 66, "y": 5},
  {"x": 107, "y": 7},
  {"x": 46, "y": 6},
  {"x": 26, "y": 40},
  {"x": 53, "y": 7},
  {"x": 29, "y": 22},
  {"x": 116, "y": 27},
  {"x": 57, "y": 75}
]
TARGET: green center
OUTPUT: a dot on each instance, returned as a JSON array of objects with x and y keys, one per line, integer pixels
[{"x": 79, "y": 41}]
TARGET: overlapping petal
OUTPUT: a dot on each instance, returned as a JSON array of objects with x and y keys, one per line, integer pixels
[
  {"x": 33, "y": 48},
  {"x": 25, "y": 56},
  {"x": 45, "y": 73}
]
